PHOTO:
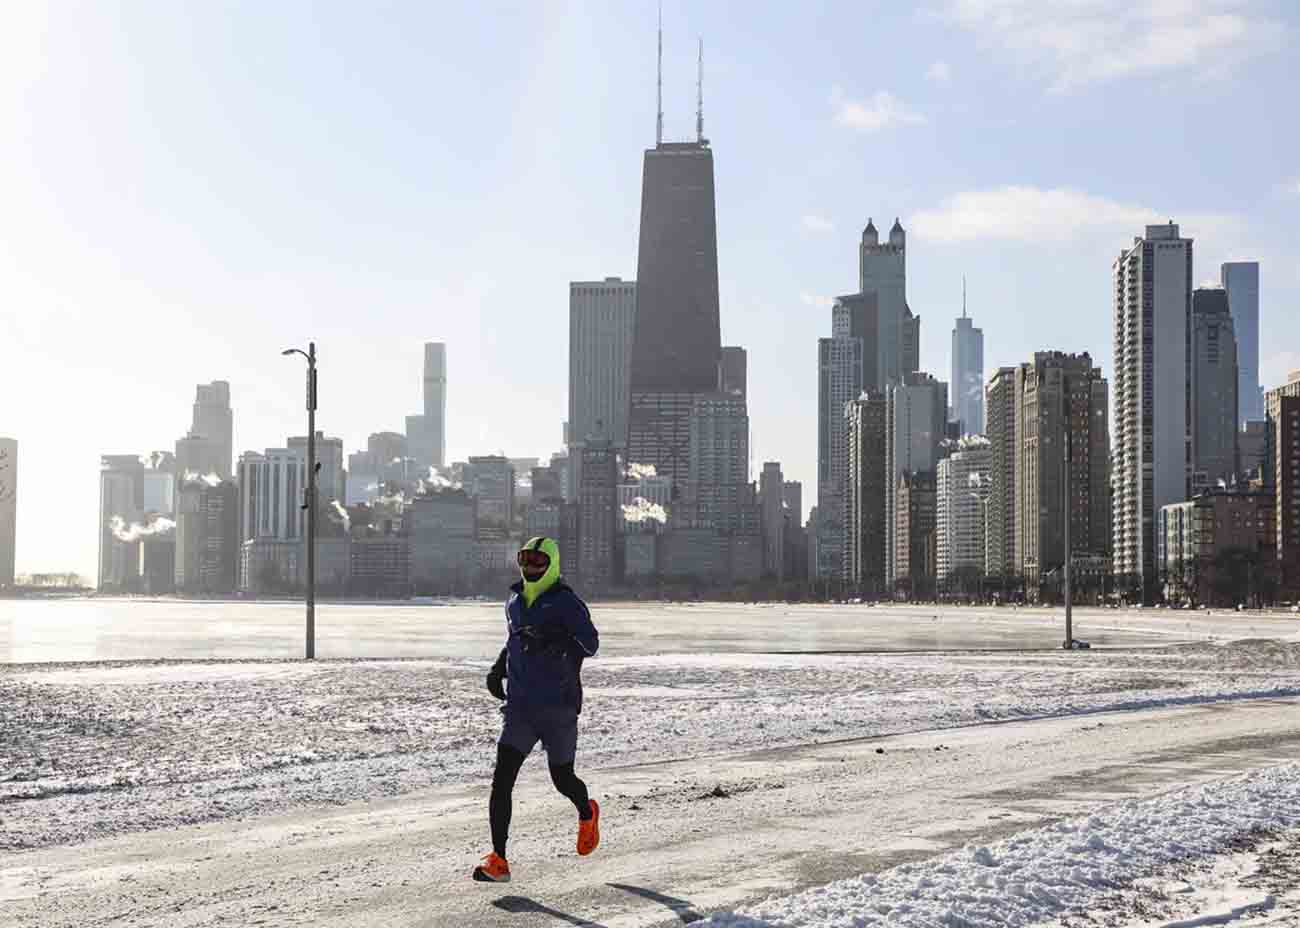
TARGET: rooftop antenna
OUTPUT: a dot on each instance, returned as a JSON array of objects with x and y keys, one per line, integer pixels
[
  {"x": 659, "y": 124},
  {"x": 699, "y": 111},
  {"x": 963, "y": 296}
]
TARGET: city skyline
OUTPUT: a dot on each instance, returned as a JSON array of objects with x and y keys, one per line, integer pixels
[{"x": 129, "y": 381}]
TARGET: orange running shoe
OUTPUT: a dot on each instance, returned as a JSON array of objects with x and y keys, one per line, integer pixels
[
  {"x": 589, "y": 830},
  {"x": 494, "y": 869}
]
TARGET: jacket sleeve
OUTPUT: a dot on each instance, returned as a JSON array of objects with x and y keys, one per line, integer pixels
[{"x": 577, "y": 621}]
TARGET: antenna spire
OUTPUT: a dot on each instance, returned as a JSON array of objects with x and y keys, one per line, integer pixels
[
  {"x": 963, "y": 296},
  {"x": 699, "y": 111},
  {"x": 659, "y": 123}
]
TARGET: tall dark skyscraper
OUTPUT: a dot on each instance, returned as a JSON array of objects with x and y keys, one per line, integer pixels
[{"x": 677, "y": 342}]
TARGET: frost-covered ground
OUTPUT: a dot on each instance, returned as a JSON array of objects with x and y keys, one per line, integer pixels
[
  {"x": 1078, "y": 871},
  {"x": 92, "y": 750}
]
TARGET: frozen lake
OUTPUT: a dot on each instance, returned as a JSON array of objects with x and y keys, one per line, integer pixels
[{"x": 99, "y": 629}]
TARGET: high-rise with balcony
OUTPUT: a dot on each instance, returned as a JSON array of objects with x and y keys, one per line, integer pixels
[
  {"x": 1000, "y": 542},
  {"x": 1241, "y": 281},
  {"x": 1152, "y": 285},
  {"x": 962, "y": 485},
  {"x": 1282, "y": 476},
  {"x": 1062, "y": 440},
  {"x": 839, "y": 380}
]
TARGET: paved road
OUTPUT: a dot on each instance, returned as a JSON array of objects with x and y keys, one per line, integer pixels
[{"x": 791, "y": 818}]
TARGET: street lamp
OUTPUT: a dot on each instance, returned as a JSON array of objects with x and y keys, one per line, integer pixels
[{"x": 309, "y": 492}]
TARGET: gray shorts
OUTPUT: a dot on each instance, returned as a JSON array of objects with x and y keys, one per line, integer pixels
[{"x": 556, "y": 727}]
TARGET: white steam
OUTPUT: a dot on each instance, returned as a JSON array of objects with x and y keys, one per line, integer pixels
[
  {"x": 135, "y": 531},
  {"x": 640, "y": 472},
  {"x": 642, "y": 510},
  {"x": 340, "y": 515},
  {"x": 194, "y": 478}
]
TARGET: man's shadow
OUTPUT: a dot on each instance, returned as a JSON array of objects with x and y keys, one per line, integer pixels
[
  {"x": 522, "y": 905},
  {"x": 679, "y": 907},
  {"x": 519, "y": 905}
]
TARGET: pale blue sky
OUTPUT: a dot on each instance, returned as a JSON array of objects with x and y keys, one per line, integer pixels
[{"x": 185, "y": 189}]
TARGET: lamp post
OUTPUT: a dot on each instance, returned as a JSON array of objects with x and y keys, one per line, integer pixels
[
  {"x": 1068, "y": 644},
  {"x": 309, "y": 493}
]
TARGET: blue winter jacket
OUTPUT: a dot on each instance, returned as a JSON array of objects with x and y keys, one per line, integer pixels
[{"x": 547, "y": 644}]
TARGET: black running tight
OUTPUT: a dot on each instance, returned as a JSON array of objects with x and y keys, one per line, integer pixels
[{"x": 509, "y": 760}]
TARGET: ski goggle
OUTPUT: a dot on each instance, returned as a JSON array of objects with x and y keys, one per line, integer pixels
[{"x": 530, "y": 558}]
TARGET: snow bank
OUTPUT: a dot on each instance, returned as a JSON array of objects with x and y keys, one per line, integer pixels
[{"x": 1048, "y": 872}]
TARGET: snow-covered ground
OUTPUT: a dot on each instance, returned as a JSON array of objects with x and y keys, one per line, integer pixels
[
  {"x": 89, "y": 750},
  {"x": 1065, "y": 869}
]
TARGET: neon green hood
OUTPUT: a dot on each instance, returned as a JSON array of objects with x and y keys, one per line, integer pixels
[{"x": 535, "y": 588}]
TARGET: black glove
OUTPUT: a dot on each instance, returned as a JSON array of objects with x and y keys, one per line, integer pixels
[{"x": 496, "y": 677}]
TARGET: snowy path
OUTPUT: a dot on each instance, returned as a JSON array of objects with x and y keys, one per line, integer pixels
[{"x": 795, "y": 817}]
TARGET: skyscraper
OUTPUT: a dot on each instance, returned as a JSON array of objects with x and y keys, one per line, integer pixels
[
  {"x": 595, "y": 564},
  {"x": 208, "y": 447},
  {"x": 839, "y": 380},
  {"x": 962, "y": 488},
  {"x": 426, "y": 433},
  {"x": 865, "y": 495},
  {"x": 1241, "y": 280},
  {"x": 8, "y": 509},
  {"x": 121, "y": 497},
  {"x": 718, "y": 478},
  {"x": 916, "y": 421},
  {"x": 968, "y": 373},
  {"x": 491, "y": 481},
  {"x": 602, "y": 317},
  {"x": 329, "y": 455},
  {"x": 1214, "y": 388},
  {"x": 1000, "y": 544},
  {"x": 207, "y": 536},
  {"x": 1061, "y": 402},
  {"x": 1153, "y": 307},
  {"x": 771, "y": 492},
  {"x": 677, "y": 341},
  {"x": 270, "y": 495},
  {"x": 882, "y": 270},
  {"x": 1282, "y": 405}
]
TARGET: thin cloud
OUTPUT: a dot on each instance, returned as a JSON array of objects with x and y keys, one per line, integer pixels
[
  {"x": 881, "y": 111},
  {"x": 816, "y": 301},
  {"x": 814, "y": 223},
  {"x": 940, "y": 72},
  {"x": 1081, "y": 42},
  {"x": 1033, "y": 214}
]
